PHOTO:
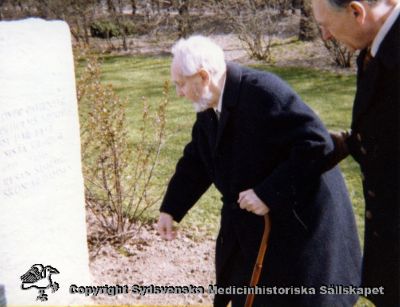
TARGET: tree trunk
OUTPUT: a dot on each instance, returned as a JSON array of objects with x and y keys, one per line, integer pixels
[
  {"x": 307, "y": 29},
  {"x": 133, "y": 6},
  {"x": 121, "y": 7},
  {"x": 184, "y": 26},
  {"x": 86, "y": 30},
  {"x": 111, "y": 7},
  {"x": 1, "y": 10}
]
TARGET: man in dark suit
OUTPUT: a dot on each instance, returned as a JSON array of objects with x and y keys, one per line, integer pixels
[
  {"x": 374, "y": 141},
  {"x": 262, "y": 147}
]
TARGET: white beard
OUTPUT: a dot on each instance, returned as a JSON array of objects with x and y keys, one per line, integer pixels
[{"x": 204, "y": 102}]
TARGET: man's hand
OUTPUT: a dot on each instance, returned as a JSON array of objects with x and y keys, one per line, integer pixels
[
  {"x": 339, "y": 140},
  {"x": 249, "y": 201},
  {"x": 340, "y": 150},
  {"x": 165, "y": 226}
]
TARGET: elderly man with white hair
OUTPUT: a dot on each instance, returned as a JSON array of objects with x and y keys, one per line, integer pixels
[{"x": 263, "y": 149}]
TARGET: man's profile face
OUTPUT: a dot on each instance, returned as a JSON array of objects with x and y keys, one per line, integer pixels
[
  {"x": 191, "y": 87},
  {"x": 341, "y": 24}
]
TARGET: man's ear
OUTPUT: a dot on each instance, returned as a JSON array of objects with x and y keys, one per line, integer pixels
[
  {"x": 358, "y": 10},
  {"x": 205, "y": 76}
]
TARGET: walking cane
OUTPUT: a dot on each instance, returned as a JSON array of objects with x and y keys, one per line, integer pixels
[{"x": 260, "y": 257}]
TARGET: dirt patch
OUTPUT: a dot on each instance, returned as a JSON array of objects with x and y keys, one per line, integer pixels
[{"x": 147, "y": 260}]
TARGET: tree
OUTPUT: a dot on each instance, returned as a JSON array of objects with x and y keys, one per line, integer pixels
[
  {"x": 183, "y": 18},
  {"x": 255, "y": 23},
  {"x": 307, "y": 28},
  {"x": 133, "y": 6},
  {"x": 77, "y": 13}
]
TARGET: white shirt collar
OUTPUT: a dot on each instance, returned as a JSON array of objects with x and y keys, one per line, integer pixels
[
  {"x": 219, "y": 106},
  {"x": 385, "y": 29}
]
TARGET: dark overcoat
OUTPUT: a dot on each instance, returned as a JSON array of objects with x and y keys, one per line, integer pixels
[
  {"x": 375, "y": 144},
  {"x": 268, "y": 140}
]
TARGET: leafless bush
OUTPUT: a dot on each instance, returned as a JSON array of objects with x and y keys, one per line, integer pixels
[
  {"x": 255, "y": 22},
  {"x": 340, "y": 54},
  {"x": 119, "y": 175}
]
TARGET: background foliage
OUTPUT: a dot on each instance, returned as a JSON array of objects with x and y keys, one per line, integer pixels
[{"x": 255, "y": 22}]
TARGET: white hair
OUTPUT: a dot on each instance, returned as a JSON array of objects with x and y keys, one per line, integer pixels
[{"x": 199, "y": 52}]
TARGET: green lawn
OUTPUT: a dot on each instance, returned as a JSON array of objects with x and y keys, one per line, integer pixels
[{"x": 330, "y": 95}]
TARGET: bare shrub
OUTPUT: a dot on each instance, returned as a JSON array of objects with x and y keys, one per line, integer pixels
[
  {"x": 341, "y": 56},
  {"x": 119, "y": 173},
  {"x": 255, "y": 23}
]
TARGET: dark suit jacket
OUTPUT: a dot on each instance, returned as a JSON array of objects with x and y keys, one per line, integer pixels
[
  {"x": 375, "y": 144},
  {"x": 269, "y": 140}
]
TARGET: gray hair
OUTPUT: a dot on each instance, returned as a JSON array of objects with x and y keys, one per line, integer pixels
[
  {"x": 340, "y": 4},
  {"x": 199, "y": 52}
]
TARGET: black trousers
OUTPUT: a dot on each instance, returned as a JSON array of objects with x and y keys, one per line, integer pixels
[
  {"x": 381, "y": 267},
  {"x": 232, "y": 274}
]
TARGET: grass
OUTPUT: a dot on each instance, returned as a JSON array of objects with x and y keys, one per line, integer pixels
[{"x": 329, "y": 94}]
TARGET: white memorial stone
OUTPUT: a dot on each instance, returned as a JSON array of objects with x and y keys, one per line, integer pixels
[{"x": 42, "y": 214}]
